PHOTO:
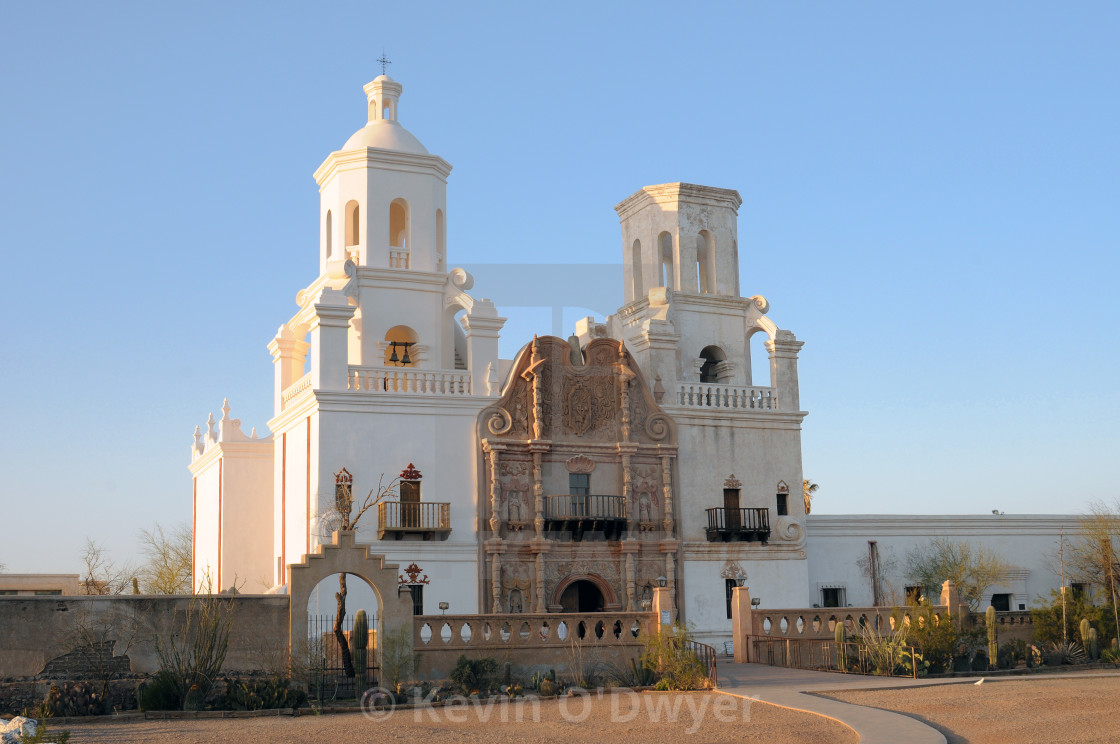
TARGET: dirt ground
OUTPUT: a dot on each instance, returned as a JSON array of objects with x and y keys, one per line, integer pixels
[
  {"x": 648, "y": 718},
  {"x": 1060, "y": 711}
]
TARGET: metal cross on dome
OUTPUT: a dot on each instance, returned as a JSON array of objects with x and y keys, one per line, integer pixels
[{"x": 385, "y": 61}]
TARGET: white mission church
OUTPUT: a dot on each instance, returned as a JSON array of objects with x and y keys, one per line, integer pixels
[{"x": 575, "y": 477}]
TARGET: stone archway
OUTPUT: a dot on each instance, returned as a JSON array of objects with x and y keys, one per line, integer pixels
[
  {"x": 343, "y": 555},
  {"x": 581, "y": 589}
]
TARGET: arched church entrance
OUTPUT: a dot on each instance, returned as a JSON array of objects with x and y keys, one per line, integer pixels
[{"x": 582, "y": 595}]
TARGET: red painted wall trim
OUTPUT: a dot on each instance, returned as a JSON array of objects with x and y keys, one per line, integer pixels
[
  {"x": 309, "y": 485},
  {"x": 284, "y": 508},
  {"x": 194, "y": 534},
  {"x": 219, "y": 587}
]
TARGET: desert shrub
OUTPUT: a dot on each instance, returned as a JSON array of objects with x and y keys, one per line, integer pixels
[
  {"x": 159, "y": 693},
  {"x": 1011, "y": 653},
  {"x": 259, "y": 694},
  {"x": 887, "y": 649},
  {"x": 1065, "y": 653},
  {"x": 73, "y": 699},
  {"x": 674, "y": 664},
  {"x": 474, "y": 675},
  {"x": 937, "y": 638},
  {"x": 42, "y": 736},
  {"x": 1046, "y": 617},
  {"x": 631, "y": 674}
]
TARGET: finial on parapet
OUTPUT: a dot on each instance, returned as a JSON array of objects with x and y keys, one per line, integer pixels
[
  {"x": 211, "y": 432},
  {"x": 225, "y": 409},
  {"x": 253, "y": 433},
  {"x": 198, "y": 438}
]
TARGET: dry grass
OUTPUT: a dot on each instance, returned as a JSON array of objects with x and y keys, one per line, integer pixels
[
  {"x": 766, "y": 724},
  {"x": 1065, "y": 711}
]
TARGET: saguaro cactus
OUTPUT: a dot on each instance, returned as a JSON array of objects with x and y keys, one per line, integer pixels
[
  {"x": 359, "y": 647},
  {"x": 1083, "y": 630},
  {"x": 841, "y": 647},
  {"x": 1094, "y": 645},
  {"x": 993, "y": 636}
]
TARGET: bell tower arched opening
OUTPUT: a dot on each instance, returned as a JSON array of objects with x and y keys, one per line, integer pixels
[
  {"x": 710, "y": 369},
  {"x": 636, "y": 283},
  {"x": 665, "y": 251}
]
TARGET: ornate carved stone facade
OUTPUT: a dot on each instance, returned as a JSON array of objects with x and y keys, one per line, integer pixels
[{"x": 577, "y": 464}]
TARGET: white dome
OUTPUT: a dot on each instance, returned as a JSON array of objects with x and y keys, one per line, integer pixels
[{"x": 385, "y": 135}]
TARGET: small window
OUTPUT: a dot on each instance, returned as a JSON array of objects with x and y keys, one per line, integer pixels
[
  {"x": 729, "y": 589},
  {"x": 48, "y": 592},
  {"x": 8, "y": 592},
  {"x": 1078, "y": 590},
  {"x": 913, "y": 595},
  {"x": 783, "y": 504},
  {"x": 417, "y": 592},
  {"x": 1002, "y": 602},
  {"x": 832, "y": 596},
  {"x": 579, "y": 484}
]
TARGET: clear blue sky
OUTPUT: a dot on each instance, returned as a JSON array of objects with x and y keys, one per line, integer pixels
[{"x": 930, "y": 201}]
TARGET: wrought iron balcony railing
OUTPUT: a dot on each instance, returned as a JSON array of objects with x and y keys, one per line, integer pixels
[
  {"x": 428, "y": 518},
  {"x": 579, "y": 514},
  {"x": 738, "y": 525}
]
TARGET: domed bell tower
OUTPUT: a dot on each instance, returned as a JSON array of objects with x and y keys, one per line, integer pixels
[{"x": 383, "y": 196}]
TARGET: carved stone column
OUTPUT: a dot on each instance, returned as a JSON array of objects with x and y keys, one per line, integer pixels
[
  {"x": 541, "y": 606},
  {"x": 626, "y": 451},
  {"x": 667, "y": 492},
  {"x": 495, "y": 549},
  {"x": 631, "y": 577},
  {"x": 538, "y": 448},
  {"x": 495, "y": 489},
  {"x": 625, "y": 376},
  {"x": 533, "y": 374}
]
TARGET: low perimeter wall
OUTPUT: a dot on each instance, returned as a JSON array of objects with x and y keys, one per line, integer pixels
[
  {"x": 37, "y": 630},
  {"x": 530, "y": 642}
]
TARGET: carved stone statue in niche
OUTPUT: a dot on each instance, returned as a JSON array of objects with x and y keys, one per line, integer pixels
[
  {"x": 645, "y": 509},
  {"x": 515, "y": 602},
  {"x": 514, "y": 510}
]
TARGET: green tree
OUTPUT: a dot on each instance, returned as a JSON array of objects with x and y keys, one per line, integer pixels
[
  {"x": 973, "y": 568},
  {"x": 1091, "y": 553}
]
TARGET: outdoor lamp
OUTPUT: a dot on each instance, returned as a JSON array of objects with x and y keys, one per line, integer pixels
[
  {"x": 444, "y": 606},
  {"x": 756, "y": 601},
  {"x": 662, "y": 581},
  {"x": 740, "y": 580}
]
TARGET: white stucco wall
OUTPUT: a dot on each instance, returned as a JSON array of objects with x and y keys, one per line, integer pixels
[{"x": 836, "y": 544}]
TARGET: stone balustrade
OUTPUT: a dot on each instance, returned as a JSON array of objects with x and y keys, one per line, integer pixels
[
  {"x": 408, "y": 381},
  {"x": 821, "y": 622},
  {"x": 500, "y": 632},
  {"x": 295, "y": 391},
  {"x": 716, "y": 395}
]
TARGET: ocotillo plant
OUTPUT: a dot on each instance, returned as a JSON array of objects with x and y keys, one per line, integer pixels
[
  {"x": 359, "y": 647},
  {"x": 993, "y": 644}
]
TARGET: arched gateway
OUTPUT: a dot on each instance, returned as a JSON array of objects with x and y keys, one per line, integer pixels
[{"x": 342, "y": 555}]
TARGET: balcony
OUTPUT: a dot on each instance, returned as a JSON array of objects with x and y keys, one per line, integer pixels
[
  {"x": 429, "y": 519},
  {"x": 738, "y": 525},
  {"x": 580, "y": 514},
  {"x": 716, "y": 395},
  {"x": 408, "y": 381}
]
